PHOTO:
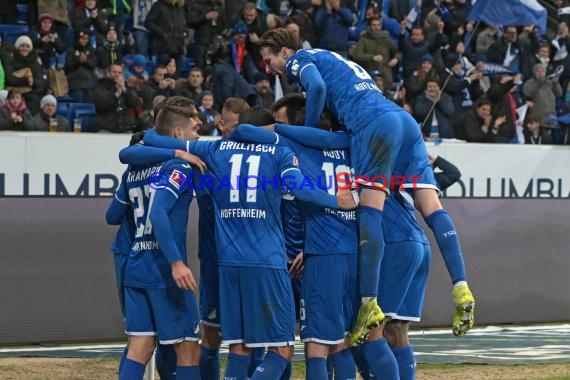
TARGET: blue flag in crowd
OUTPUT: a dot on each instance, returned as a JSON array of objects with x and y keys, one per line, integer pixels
[
  {"x": 492, "y": 69},
  {"x": 510, "y": 12}
]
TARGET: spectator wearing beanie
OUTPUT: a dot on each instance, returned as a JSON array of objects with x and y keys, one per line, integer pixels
[
  {"x": 25, "y": 74},
  {"x": 48, "y": 106},
  {"x": 263, "y": 88},
  {"x": 46, "y": 41},
  {"x": 80, "y": 63},
  {"x": 59, "y": 11},
  {"x": 417, "y": 82}
]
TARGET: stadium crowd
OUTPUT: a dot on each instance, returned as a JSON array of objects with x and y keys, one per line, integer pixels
[{"x": 459, "y": 79}]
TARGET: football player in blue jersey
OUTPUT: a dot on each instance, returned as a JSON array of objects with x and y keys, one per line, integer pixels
[
  {"x": 255, "y": 293},
  {"x": 158, "y": 300},
  {"x": 328, "y": 303},
  {"x": 120, "y": 213},
  {"x": 381, "y": 135}
]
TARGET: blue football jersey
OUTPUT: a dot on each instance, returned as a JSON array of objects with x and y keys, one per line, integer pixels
[
  {"x": 351, "y": 94},
  {"x": 246, "y": 188},
  {"x": 160, "y": 197},
  {"x": 293, "y": 228},
  {"x": 327, "y": 231},
  {"x": 206, "y": 222},
  {"x": 126, "y": 233},
  {"x": 399, "y": 221}
]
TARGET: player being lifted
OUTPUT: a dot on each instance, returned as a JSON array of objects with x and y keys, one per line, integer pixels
[{"x": 381, "y": 135}]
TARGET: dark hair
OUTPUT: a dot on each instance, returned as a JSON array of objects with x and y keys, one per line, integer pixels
[
  {"x": 533, "y": 117},
  {"x": 136, "y": 138},
  {"x": 483, "y": 101},
  {"x": 295, "y": 104},
  {"x": 279, "y": 38},
  {"x": 257, "y": 116}
]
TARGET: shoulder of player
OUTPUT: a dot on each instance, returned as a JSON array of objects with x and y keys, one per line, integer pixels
[{"x": 176, "y": 164}]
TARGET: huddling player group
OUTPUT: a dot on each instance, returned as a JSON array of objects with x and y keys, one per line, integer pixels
[{"x": 362, "y": 256}]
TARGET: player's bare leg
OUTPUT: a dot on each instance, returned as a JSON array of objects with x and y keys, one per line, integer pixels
[
  {"x": 370, "y": 250},
  {"x": 396, "y": 333},
  {"x": 428, "y": 203},
  {"x": 141, "y": 349}
]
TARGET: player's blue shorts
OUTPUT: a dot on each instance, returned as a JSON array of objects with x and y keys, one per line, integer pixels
[
  {"x": 209, "y": 293},
  {"x": 392, "y": 140},
  {"x": 329, "y": 297},
  {"x": 403, "y": 276},
  {"x": 120, "y": 266},
  {"x": 170, "y": 313},
  {"x": 412, "y": 166},
  {"x": 256, "y": 306}
]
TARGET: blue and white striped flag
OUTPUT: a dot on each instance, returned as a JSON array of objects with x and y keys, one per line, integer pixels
[{"x": 510, "y": 12}]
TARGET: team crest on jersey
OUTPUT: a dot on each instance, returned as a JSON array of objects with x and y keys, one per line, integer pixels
[
  {"x": 295, "y": 67},
  {"x": 177, "y": 178}
]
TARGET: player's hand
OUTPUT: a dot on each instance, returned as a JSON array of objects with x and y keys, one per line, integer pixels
[
  {"x": 191, "y": 159},
  {"x": 464, "y": 305},
  {"x": 347, "y": 199},
  {"x": 183, "y": 276},
  {"x": 297, "y": 266}
]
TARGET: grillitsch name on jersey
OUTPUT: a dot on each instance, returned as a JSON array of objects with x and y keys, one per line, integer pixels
[
  {"x": 346, "y": 215},
  {"x": 147, "y": 245},
  {"x": 233, "y": 145},
  {"x": 252, "y": 213},
  {"x": 144, "y": 174}
]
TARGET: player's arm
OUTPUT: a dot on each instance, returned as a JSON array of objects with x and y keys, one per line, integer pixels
[
  {"x": 142, "y": 154},
  {"x": 313, "y": 137},
  {"x": 201, "y": 149},
  {"x": 165, "y": 198},
  {"x": 316, "y": 90},
  {"x": 120, "y": 204},
  {"x": 292, "y": 177},
  {"x": 253, "y": 134}
]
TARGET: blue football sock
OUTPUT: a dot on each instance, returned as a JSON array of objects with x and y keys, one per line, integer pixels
[
  {"x": 360, "y": 361},
  {"x": 381, "y": 360},
  {"x": 131, "y": 370},
  {"x": 370, "y": 250},
  {"x": 271, "y": 368},
  {"x": 330, "y": 368},
  {"x": 448, "y": 243},
  {"x": 123, "y": 357},
  {"x": 209, "y": 363},
  {"x": 256, "y": 355},
  {"x": 237, "y": 366},
  {"x": 166, "y": 361},
  {"x": 187, "y": 372},
  {"x": 343, "y": 364},
  {"x": 287, "y": 373},
  {"x": 406, "y": 362},
  {"x": 317, "y": 369}
]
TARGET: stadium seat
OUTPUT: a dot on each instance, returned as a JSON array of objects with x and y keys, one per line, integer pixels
[
  {"x": 186, "y": 65},
  {"x": 62, "y": 109},
  {"x": 10, "y": 32},
  {"x": 87, "y": 120},
  {"x": 84, "y": 111},
  {"x": 22, "y": 13}
]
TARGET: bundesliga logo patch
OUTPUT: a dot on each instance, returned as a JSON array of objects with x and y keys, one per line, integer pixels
[
  {"x": 295, "y": 161},
  {"x": 177, "y": 178}
]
